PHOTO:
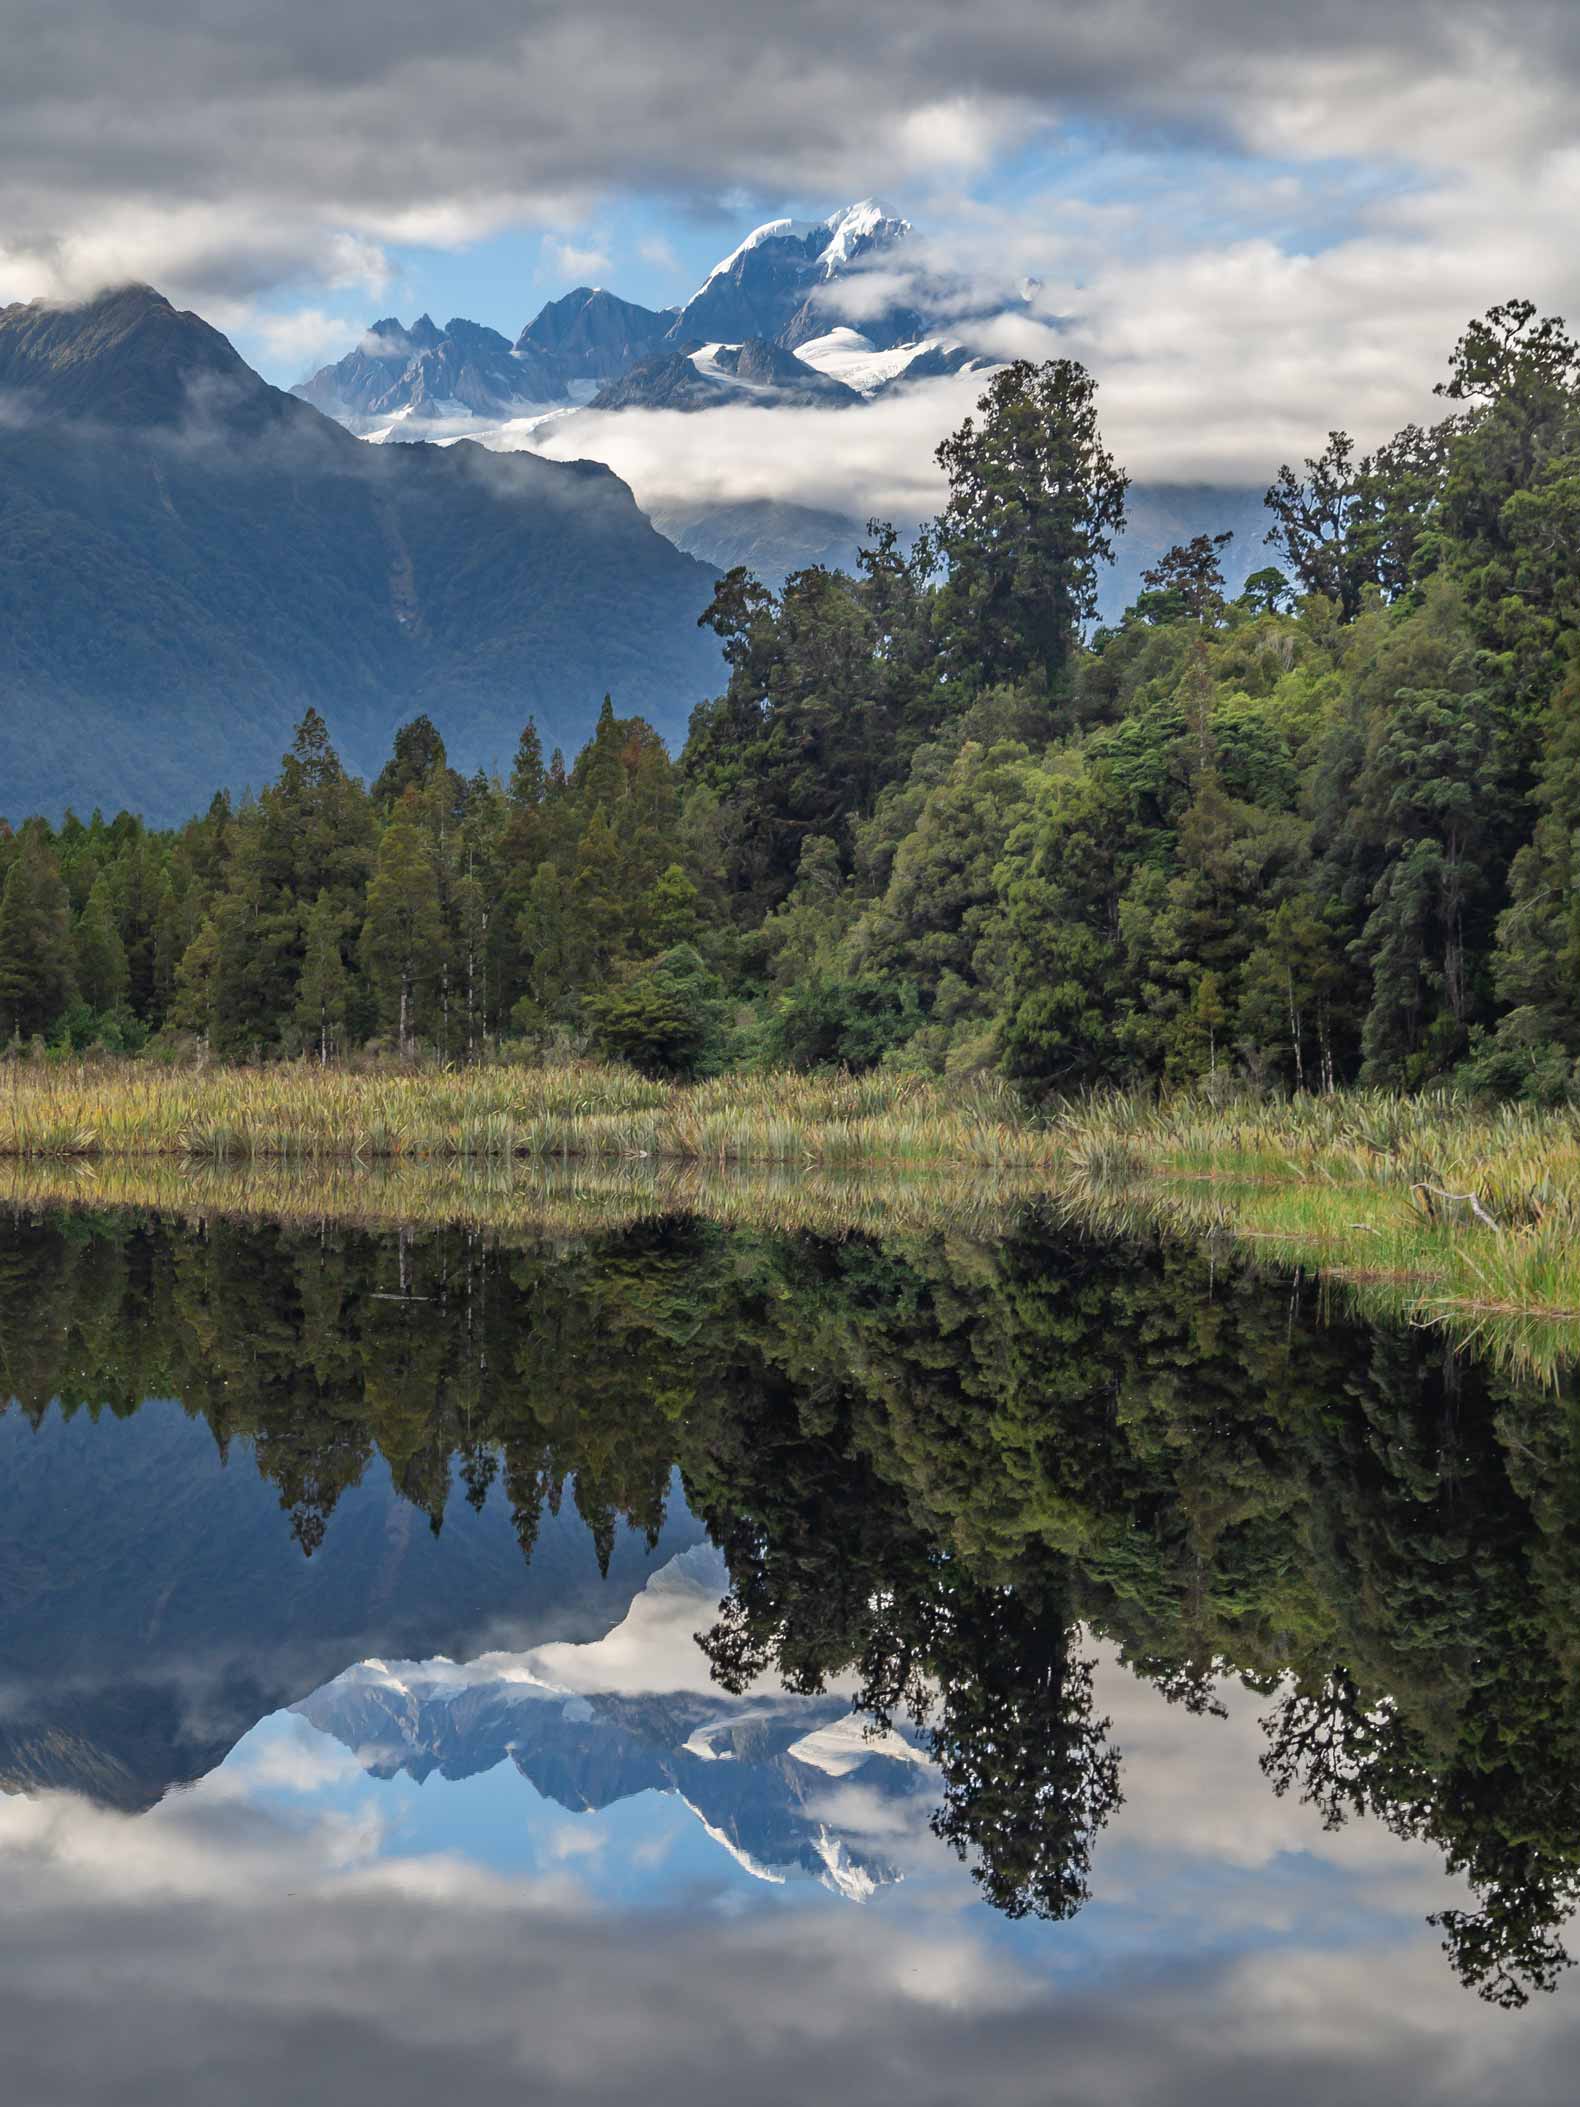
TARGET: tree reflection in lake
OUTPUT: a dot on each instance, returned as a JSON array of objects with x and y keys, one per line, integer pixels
[{"x": 943, "y": 1469}]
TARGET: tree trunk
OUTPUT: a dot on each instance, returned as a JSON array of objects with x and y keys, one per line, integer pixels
[{"x": 1295, "y": 1033}]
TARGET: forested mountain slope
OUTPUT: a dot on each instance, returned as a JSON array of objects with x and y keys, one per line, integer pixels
[{"x": 189, "y": 558}]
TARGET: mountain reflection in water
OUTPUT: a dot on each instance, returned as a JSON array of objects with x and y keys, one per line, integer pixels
[{"x": 1147, "y": 1666}]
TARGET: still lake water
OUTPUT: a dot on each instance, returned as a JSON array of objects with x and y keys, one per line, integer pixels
[{"x": 706, "y": 1666}]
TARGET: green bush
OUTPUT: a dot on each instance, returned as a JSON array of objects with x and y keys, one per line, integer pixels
[
  {"x": 828, "y": 1022},
  {"x": 664, "y": 1015}
]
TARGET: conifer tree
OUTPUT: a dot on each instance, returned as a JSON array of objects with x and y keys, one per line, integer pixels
[
  {"x": 324, "y": 996},
  {"x": 528, "y": 777},
  {"x": 402, "y": 944},
  {"x": 37, "y": 971},
  {"x": 102, "y": 975},
  {"x": 1034, "y": 501}
]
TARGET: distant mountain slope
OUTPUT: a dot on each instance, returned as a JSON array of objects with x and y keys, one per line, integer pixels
[
  {"x": 770, "y": 536},
  {"x": 188, "y": 558},
  {"x": 774, "y": 537}
]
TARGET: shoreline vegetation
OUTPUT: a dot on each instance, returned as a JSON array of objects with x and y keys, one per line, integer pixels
[
  {"x": 1427, "y": 1210},
  {"x": 297, "y": 1113}
]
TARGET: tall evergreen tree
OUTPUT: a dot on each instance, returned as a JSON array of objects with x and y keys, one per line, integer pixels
[
  {"x": 101, "y": 970},
  {"x": 37, "y": 969},
  {"x": 1035, "y": 499},
  {"x": 402, "y": 943}
]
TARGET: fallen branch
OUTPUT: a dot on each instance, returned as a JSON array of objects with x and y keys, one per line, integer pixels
[{"x": 1460, "y": 1200}]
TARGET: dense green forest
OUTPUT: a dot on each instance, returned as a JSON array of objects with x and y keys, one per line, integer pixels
[
  {"x": 942, "y": 1468},
  {"x": 1323, "y": 831}
]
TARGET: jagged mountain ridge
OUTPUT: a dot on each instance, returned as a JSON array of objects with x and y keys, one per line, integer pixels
[
  {"x": 189, "y": 558},
  {"x": 766, "y": 300}
]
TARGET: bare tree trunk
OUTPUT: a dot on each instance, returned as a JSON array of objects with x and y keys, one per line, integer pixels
[{"x": 1295, "y": 1034}]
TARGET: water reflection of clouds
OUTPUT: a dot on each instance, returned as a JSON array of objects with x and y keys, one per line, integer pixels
[
  {"x": 294, "y": 1926},
  {"x": 234, "y": 1953}
]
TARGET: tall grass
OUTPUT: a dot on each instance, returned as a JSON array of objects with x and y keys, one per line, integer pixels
[
  {"x": 298, "y": 1113},
  {"x": 1429, "y": 1209},
  {"x": 559, "y": 1199}
]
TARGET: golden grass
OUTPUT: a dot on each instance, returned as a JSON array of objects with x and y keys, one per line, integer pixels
[
  {"x": 297, "y": 1113},
  {"x": 1430, "y": 1210}
]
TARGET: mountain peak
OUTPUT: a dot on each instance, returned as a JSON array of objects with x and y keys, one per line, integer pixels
[
  {"x": 864, "y": 225},
  {"x": 796, "y": 230},
  {"x": 126, "y": 356},
  {"x": 770, "y": 284}
]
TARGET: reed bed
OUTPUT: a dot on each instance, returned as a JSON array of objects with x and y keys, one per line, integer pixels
[
  {"x": 1430, "y": 1210},
  {"x": 301, "y": 1114}
]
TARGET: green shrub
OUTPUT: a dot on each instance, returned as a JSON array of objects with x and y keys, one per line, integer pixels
[{"x": 664, "y": 1015}]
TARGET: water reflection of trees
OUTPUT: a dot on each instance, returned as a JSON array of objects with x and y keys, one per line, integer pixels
[{"x": 937, "y": 1466}]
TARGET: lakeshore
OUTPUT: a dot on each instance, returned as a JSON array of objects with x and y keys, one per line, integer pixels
[{"x": 1429, "y": 1209}]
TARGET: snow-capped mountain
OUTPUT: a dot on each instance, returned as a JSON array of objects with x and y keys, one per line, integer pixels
[
  {"x": 778, "y": 290},
  {"x": 853, "y": 359},
  {"x": 767, "y": 1775},
  {"x": 709, "y": 374},
  {"x": 462, "y": 371},
  {"x": 777, "y": 283}
]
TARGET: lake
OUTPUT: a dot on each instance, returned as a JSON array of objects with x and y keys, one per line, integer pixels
[{"x": 684, "y": 1656}]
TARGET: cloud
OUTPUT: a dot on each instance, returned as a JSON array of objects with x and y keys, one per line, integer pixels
[
  {"x": 302, "y": 126},
  {"x": 575, "y": 260},
  {"x": 877, "y": 459},
  {"x": 653, "y": 1649},
  {"x": 659, "y": 251},
  {"x": 1222, "y": 347},
  {"x": 298, "y": 1761},
  {"x": 212, "y": 1947},
  {"x": 1259, "y": 222},
  {"x": 306, "y": 337}
]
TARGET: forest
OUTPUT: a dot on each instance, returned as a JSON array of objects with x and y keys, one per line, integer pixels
[{"x": 1318, "y": 833}]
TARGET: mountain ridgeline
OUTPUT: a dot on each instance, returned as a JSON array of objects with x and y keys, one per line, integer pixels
[
  {"x": 825, "y": 314},
  {"x": 189, "y": 558},
  {"x": 771, "y": 304},
  {"x": 767, "y": 325}
]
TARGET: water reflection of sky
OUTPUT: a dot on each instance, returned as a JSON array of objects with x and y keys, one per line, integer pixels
[{"x": 292, "y": 1928}]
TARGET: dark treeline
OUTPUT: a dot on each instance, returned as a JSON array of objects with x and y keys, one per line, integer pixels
[
  {"x": 1319, "y": 832},
  {"x": 943, "y": 1469}
]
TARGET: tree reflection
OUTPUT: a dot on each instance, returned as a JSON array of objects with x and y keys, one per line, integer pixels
[{"x": 940, "y": 1469}]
